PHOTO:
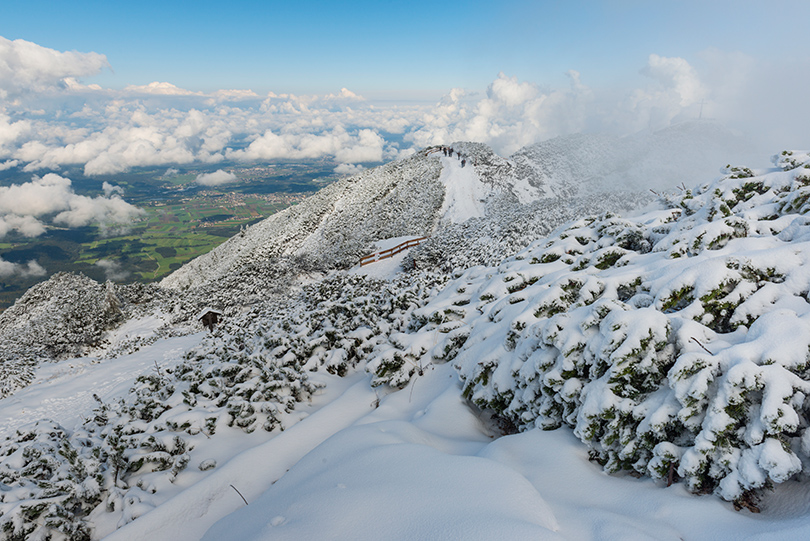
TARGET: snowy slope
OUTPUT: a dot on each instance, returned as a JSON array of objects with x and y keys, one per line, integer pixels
[
  {"x": 675, "y": 344},
  {"x": 352, "y": 368},
  {"x": 60, "y": 318},
  {"x": 420, "y": 464},
  {"x": 424, "y": 466},
  {"x": 414, "y": 196},
  {"x": 336, "y": 225}
]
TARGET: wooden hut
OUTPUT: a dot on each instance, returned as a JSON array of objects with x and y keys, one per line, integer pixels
[{"x": 209, "y": 317}]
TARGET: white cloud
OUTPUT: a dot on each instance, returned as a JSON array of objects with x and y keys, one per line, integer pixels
[
  {"x": 112, "y": 270},
  {"x": 73, "y": 85},
  {"x": 160, "y": 124},
  {"x": 347, "y": 169},
  {"x": 160, "y": 88},
  {"x": 513, "y": 114},
  {"x": 346, "y": 95},
  {"x": 23, "y": 207},
  {"x": 103, "y": 210},
  {"x": 28, "y": 226},
  {"x": 111, "y": 189},
  {"x": 41, "y": 196},
  {"x": 676, "y": 93},
  {"x": 675, "y": 75},
  {"x": 368, "y": 147},
  {"x": 11, "y": 132},
  {"x": 32, "y": 268},
  {"x": 508, "y": 92},
  {"x": 28, "y": 67},
  {"x": 216, "y": 178},
  {"x": 234, "y": 94}
]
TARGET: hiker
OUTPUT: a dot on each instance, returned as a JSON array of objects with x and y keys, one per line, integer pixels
[{"x": 463, "y": 162}]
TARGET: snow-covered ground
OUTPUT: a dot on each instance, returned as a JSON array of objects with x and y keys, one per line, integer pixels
[
  {"x": 465, "y": 195},
  {"x": 258, "y": 410},
  {"x": 423, "y": 465},
  {"x": 418, "y": 463},
  {"x": 413, "y": 464},
  {"x": 64, "y": 391}
]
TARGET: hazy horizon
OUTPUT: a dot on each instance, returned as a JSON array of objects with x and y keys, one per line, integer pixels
[{"x": 108, "y": 88}]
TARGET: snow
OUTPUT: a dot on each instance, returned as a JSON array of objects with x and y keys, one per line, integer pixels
[
  {"x": 423, "y": 465},
  {"x": 673, "y": 343},
  {"x": 206, "y": 310},
  {"x": 64, "y": 391},
  {"x": 191, "y": 512},
  {"x": 385, "y": 269},
  {"x": 465, "y": 195},
  {"x": 411, "y": 464}
]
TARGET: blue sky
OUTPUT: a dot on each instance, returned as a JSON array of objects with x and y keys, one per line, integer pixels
[
  {"x": 112, "y": 86},
  {"x": 397, "y": 50}
]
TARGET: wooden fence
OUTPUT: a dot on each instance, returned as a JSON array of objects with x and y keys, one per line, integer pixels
[{"x": 390, "y": 252}]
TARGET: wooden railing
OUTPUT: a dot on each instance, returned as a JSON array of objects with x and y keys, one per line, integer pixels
[{"x": 390, "y": 252}]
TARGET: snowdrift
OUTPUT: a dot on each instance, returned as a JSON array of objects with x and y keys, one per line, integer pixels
[{"x": 675, "y": 343}]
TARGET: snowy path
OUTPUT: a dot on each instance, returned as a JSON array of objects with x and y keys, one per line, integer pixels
[
  {"x": 64, "y": 391},
  {"x": 189, "y": 514},
  {"x": 465, "y": 194},
  {"x": 422, "y": 466}
]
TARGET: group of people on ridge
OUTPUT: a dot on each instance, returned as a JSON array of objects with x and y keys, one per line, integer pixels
[{"x": 448, "y": 151}]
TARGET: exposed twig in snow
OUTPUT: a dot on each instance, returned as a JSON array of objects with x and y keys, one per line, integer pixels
[
  {"x": 240, "y": 494},
  {"x": 702, "y": 346}
]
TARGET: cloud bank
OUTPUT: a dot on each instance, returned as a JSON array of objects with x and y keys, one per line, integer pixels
[
  {"x": 26, "y": 67},
  {"x": 27, "y": 208},
  {"x": 54, "y": 120},
  {"x": 112, "y": 270}
]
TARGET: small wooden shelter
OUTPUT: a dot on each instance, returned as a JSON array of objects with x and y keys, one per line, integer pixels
[{"x": 209, "y": 317}]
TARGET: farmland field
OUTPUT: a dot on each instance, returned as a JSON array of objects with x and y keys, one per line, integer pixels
[
  {"x": 172, "y": 234},
  {"x": 181, "y": 221}
]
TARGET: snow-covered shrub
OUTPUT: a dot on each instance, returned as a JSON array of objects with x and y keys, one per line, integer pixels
[
  {"x": 54, "y": 479},
  {"x": 674, "y": 344},
  {"x": 791, "y": 159},
  {"x": 50, "y": 485},
  {"x": 333, "y": 324},
  {"x": 56, "y": 319},
  {"x": 507, "y": 229}
]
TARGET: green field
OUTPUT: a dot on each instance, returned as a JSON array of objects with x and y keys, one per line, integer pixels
[
  {"x": 182, "y": 220},
  {"x": 170, "y": 234},
  {"x": 173, "y": 234}
]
